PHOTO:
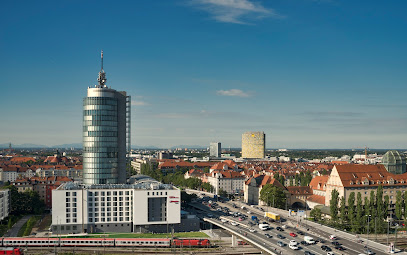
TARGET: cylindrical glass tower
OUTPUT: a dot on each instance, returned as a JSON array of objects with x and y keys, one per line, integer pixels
[{"x": 106, "y": 134}]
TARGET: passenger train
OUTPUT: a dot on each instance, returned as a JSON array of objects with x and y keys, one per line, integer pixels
[{"x": 102, "y": 242}]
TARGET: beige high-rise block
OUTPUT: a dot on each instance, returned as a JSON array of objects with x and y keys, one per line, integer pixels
[{"x": 253, "y": 144}]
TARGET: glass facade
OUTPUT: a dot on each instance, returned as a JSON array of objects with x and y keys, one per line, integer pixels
[{"x": 100, "y": 140}]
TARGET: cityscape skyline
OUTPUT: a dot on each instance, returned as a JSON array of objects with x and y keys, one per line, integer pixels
[{"x": 310, "y": 74}]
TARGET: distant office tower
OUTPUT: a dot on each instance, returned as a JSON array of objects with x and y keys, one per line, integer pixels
[
  {"x": 253, "y": 145},
  {"x": 106, "y": 133},
  {"x": 215, "y": 149}
]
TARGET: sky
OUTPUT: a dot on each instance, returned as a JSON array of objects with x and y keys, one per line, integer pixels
[{"x": 309, "y": 73}]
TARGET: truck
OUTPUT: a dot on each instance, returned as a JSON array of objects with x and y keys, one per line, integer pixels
[
  {"x": 271, "y": 215},
  {"x": 309, "y": 240}
]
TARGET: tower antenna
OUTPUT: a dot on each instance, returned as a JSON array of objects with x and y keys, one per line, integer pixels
[{"x": 102, "y": 74}]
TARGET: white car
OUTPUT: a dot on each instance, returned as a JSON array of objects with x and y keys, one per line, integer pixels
[
  {"x": 293, "y": 242},
  {"x": 234, "y": 223},
  {"x": 293, "y": 247},
  {"x": 330, "y": 253},
  {"x": 223, "y": 220},
  {"x": 249, "y": 212},
  {"x": 252, "y": 230},
  {"x": 284, "y": 226},
  {"x": 332, "y": 237}
]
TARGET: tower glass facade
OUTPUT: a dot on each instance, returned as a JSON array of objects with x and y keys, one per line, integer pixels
[{"x": 106, "y": 134}]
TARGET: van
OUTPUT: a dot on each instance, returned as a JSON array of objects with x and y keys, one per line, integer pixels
[
  {"x": 309, "y": 240},
  {"x": 264, "y": 226}
]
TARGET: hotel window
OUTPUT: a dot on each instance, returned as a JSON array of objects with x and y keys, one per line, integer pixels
[{"x": 74, "y": 193}]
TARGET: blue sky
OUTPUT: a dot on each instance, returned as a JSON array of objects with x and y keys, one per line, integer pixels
[{"x": 309, "y": 73}]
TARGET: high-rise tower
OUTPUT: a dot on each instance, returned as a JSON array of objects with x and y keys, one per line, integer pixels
[
  {"x": 253, "y": 145},
  {"x": 106, "y": 133}
]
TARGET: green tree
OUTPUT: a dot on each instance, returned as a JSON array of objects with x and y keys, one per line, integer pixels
[
  {"x": 381, "y": 212},
  {"x": 405, "y": 205},
  {"x": 291, "y": 181},
  {"x": 343, "y": 210},
  {"x": 368, "y": 211},
  {"x": 274, "y": 196},
  {"x": 351, "y": 210},
  {"x": 333, "y": 205},
  {"x": 399, "y": 205},
  {"x": 373, "y": 210},
  {"x": 359, "y": 213},
  {"x": 208, "y": 187},
  {"x": 222, "y": 193},
  {"x": 316, "y": 214}
]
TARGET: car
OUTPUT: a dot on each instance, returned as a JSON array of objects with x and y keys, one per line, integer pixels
[
  {"x": 252, "y": 230},
  {"x": 336, "y": 243},
  {"x": 340, "y": 248},
  {"x": 279, "y": 229},
  {"x": 285, "y": 226},
  {"x": 280, "y": 236},
  {"x": 242, "y": 243},
  {"x": 293, "y": 242},
  {"x": 300, "y": 233},
  {"x": 268, "y": 235},
  {"x": 304, "y": 243},
  {"x": 210, "y": 215},
  {"x": 293, "y": 247},
  {"x": 241, "y": 218},
  {"x": 369, "y": 252},
  {"x": 330, "y": 253},
  {"x": 224, "y": 220},
  {"x": 293, "y": 234},
  {"x": 325, "y": 248},
  {"x": 321, "y": 241},
  {"x": 333, "y": 237},
  {"x": 261, "y": 209},
  {"x": 233, "y": 223},
  {"x": 307, "y": 253},
  {"x": 249, "y": 212},
  {"x": 281, "y": 244}
]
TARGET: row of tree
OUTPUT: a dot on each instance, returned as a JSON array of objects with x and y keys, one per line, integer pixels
[
  {"x": 357, "y": 214},
  {"x": 27, "y": 202},
  {"x": 273, "y": 196}
]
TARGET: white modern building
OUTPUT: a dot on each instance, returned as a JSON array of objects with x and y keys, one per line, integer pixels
[
  {"x": 145, "y": 206},
  {"x": 4, "y": 204}
]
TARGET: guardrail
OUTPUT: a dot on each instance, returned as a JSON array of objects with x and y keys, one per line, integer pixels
[{"x": 241, "y": 236}]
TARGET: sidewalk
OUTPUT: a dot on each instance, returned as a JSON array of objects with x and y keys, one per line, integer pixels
[{"x": 12, "y": 232}]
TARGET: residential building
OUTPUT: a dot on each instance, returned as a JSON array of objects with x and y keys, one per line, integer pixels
[
  {"x": 143, "y": 206},
  {"x": 215, "y": 149},
  {"x": 255, "y": 184},
  {"x": 253, "y": 145},
  {"x": 106, "y": 133},
  {"x": 363, "y": 179},
  {"x": 318, "y": 187},
  {"x": 228, "y": 180}
]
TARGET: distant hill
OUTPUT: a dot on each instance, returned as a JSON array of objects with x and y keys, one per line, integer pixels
[{"x": 24, "y": 145}]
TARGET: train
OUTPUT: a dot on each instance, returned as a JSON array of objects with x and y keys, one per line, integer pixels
[
  {"x": 11, "y": 251},
  {"x": 102, "y": 242}
]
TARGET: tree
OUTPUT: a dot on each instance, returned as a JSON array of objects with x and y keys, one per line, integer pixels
[
  {"x": 399, "y": 205},
  {"x": 368, "y": 211},
  {"x": 351, "y": 209},
  {"x": 381, "y": 211},
  {"x": 373, "y": 209},
  {"x": 405, "y": 205},
  {"x": 343, "y": 210},
  {"x": 273, "y": 195},
  {"x": 208, "y": 187},
  {"x": 359, "y": 213},
  {"x": 333, "y": 204},
  {"x": 222, "y": 193},
  {"x": 316, "y": 214},
  {"x": 291, "y": 181}
]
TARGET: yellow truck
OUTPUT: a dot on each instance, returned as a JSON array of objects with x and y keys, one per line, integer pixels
[{"x": 271, "y": 215}]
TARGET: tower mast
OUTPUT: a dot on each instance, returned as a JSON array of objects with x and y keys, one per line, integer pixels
[{"x": 102, "y": 74}]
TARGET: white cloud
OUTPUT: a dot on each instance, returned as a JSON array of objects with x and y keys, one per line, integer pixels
[
  {"x": 138, "y": 103},
  {"x": 233, "y": 11},
  {"x": 233, "y": 93}
]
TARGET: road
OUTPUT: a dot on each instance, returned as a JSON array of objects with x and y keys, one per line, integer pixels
[
  {"x": 16, "y": 227},
  {"x": 351, "y": 246}
]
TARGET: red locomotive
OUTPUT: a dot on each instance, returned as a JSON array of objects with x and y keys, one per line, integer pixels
[{"x": 11, "y": 251}]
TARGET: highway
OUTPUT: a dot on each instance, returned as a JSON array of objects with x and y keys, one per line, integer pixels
[{"x": 322, "y": 233}]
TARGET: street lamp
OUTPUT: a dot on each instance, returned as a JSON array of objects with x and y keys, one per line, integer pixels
[{"x": 368, "y": 223}]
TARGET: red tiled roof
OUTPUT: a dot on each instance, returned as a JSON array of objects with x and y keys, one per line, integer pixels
[
  {"x": 299, "y": 190},
  {"x": 22, "y": 159},
  {"x": 316, "y": 199},
  {"x": 319, "y": 181}
]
